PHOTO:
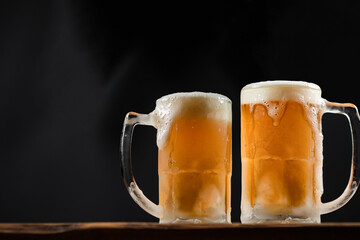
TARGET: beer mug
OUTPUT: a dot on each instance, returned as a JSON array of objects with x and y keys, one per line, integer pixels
[
  {"x": 194, "y": 157},
  {"x": 281, "y": 152}
]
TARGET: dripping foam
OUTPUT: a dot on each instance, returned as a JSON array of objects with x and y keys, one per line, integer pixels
[{"x": 176, "y": 105}]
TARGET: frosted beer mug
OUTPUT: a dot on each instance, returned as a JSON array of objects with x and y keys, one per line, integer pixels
[
  {"x": 281, "y": 152},
  {"x": 194, "y": 157}
]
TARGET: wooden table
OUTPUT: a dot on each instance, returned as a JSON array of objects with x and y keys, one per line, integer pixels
[{"x": 142, "y": 230}]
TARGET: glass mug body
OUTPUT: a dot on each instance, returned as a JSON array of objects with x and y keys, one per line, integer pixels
[
  {"x": 194, "y": 157},
  {"x": 281, "y": 153}
]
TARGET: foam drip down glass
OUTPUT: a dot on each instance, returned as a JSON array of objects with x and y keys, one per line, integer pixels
[
  {"x": 194, "y": 158},
  {"x": 281, "y": 152}
]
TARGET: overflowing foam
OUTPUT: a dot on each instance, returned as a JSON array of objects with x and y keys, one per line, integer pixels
[{"x": 173, "y": 106}]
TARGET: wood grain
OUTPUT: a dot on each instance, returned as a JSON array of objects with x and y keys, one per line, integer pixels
[{"x": 142, "y": 230}]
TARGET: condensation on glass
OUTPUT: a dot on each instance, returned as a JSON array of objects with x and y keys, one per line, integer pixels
[
  {"x": 194, "y": 157},
  {"x": 281, "y": 152}
]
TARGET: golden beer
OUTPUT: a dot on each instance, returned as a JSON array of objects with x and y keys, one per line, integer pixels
[
  {"x": 281, "y": 151},
  {"x": 194, "y": 140}
]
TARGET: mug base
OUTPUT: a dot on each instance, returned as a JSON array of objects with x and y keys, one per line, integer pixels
[
  {"x": 279, "y": 219},
  {"x": 195, "y": 220}
]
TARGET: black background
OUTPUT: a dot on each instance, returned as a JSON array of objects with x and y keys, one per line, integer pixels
[{"x": 71, "y": 70}]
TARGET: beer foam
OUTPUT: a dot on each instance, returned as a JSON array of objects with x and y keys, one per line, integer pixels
[
  {"x": 279, "y": 90},
  {"x": 269, "y": 91},
  {"x": 176, "y": 105}
]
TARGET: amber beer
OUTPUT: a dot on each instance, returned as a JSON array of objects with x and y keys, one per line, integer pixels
[
  {"x": 281, "y": 152},
  {"x": 194, "y": 141}
]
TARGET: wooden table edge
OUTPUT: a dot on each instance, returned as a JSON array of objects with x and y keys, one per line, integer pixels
[{"x": 56, "y": 228}]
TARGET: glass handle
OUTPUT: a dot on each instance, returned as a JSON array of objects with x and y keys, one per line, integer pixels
[
  {"x": 131, "y": 120},
  {"x": 352, "y": 114}
]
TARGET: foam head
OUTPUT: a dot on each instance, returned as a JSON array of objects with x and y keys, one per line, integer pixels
[
  {"x": 266, "y": 91},
  {"x": 177, "y": 105}
]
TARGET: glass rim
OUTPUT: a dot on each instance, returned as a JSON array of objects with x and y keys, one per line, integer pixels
[
  {"x": 194, "y": 94},
  {"x": 281, "y": 83}
]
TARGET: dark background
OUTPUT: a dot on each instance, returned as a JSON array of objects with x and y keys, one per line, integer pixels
[{"x": 71, "y": 70}]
